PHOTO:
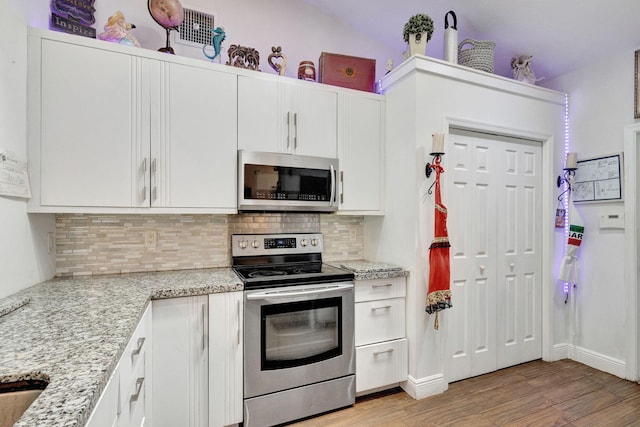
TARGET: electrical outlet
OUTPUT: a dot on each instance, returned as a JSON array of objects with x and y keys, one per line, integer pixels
[{"x": 150, "y": 239}]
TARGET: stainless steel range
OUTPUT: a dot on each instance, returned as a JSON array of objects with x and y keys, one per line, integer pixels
[{"x": 299, "y": 351}]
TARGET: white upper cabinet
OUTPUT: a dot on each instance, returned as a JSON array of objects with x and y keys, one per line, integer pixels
[
  {"x": 361, "y": 153},
  {"x": 196, "y": 143},
  {"x": 287, "y": 116},
  {"x": 111, "y": 131}
]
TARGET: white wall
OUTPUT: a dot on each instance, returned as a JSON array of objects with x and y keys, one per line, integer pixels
[
  {"x": 23, "y": 238},
  {"x": 300, "y": 29},
  {"x": 601, "y": 105}
]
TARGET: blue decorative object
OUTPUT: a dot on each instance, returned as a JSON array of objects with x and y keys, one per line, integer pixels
[{"x": 216, "y": 42}]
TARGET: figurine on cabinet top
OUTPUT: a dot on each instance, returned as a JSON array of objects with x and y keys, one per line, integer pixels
[{"x": 117, "y": 30}]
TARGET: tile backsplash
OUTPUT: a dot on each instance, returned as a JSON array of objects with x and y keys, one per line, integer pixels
[{"x": 88, "y": 244}]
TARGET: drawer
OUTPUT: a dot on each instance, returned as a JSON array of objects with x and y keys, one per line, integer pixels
[
  {"x": 134, "y": 401},
  {"x": 375, "y": 289},
  {"x": 380, "y": 320},
  {"x": 134, "y": 354},
  {"x": 381, "y": 364}
]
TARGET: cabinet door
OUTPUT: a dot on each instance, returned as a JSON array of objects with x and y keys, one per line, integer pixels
[
  {"x": 180, "y": 362},
  {"x": 361, "y": 154},
  {"x": 287, "y": 117},
  {"x": 91, "y": 120},
  {"x": 263, "y": 115},
  {"x": 225, "y": 358},
  {"x": 194, "y": 156},
  {"x": 315, "y": 121}
]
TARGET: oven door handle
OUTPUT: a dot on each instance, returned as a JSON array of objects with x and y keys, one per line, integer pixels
[{"x": 296, "y": 293}]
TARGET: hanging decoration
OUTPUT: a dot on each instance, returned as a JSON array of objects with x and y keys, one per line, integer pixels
[
  {"x": 439, "y": 292},
  {"x": 569, "y": 268}
]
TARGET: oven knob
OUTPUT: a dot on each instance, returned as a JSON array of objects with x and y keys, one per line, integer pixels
[
  {"x": 255, "y": 244},
  {"x": 314, "y": 242},
  {"x": 242, "y": 244},
  {"x": 303, "y": 242}
]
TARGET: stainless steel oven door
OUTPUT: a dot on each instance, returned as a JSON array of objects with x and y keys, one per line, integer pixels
[{"x": 297, "y": 335}]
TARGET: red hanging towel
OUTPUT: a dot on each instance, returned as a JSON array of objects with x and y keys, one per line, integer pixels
[{"x": 439, "y": 294}]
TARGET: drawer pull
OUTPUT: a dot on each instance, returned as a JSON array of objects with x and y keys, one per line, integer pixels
[
  {"x": 377, "y": 353},
  {"x": 135, "y": 396},
  {"x": 138, "y": 349},
  {"x": 384, "y": 307},
  {"x": 385, "y": 285}
]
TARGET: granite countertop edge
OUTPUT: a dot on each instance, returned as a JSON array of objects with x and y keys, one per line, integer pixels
[
  {"x": 71, "y": 332},
  {"x": 371, "y": 270}
]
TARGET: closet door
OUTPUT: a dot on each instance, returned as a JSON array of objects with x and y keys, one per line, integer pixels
[
  {"x": 519, "y": 264},
  {"x": 492, "y": 195}
]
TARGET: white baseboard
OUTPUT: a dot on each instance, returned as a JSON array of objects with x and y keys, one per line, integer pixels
[
  {"x": 559, "y": 352},
  {"x": 598, "y": 361},
  {"x": 419, "y": 388}
]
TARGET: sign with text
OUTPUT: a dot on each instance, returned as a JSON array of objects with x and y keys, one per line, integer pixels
[{"x": 73, "y": 17}]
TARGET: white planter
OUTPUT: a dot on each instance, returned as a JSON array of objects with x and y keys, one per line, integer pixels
[{"x": 418, "y": 44}]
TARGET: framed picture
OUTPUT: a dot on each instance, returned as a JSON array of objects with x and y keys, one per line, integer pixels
[
  {"x": 636, "y": 113},
  {"x": 599, "y": 179}
]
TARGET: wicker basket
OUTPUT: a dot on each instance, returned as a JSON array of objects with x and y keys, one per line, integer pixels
[{"x": 479, "y": 55}]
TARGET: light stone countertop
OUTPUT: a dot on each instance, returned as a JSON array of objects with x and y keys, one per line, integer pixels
[
  {"x": 72, "y": 332},
  {"x": 368, "y": 270}
]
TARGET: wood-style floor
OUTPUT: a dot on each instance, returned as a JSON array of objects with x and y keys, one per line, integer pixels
[{"x": 564, "y": 393}]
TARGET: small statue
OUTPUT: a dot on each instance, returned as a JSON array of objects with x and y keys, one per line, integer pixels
[
  {"x": 216, "y": 42},
  {"x": 276, "y": 52},
  {"x": 169, "y": 14},
  {"x": 243, "y": 57},
  {"x": 522, "y": 71},
  {"x": 116, "y": 30},
  {"x": 389, "y": 66}
]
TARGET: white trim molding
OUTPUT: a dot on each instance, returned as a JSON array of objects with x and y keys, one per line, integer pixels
[
  {"x": 632, "y": 297},
  {"x": 598, "y": 361},
  {"x": 419, "y": 388}
]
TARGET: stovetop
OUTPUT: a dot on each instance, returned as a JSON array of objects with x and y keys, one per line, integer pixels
[{"x": 270, "y": 260}]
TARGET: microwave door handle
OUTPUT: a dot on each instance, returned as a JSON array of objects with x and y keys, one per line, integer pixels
[{"x": 333, "y": 187}]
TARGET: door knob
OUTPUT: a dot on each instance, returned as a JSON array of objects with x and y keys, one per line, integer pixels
[{"x": 482, "y": 269}]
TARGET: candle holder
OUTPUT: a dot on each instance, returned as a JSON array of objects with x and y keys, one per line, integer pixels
[
  {"x": 437, "y": 158},
  {"x": 566, "y": 178}
]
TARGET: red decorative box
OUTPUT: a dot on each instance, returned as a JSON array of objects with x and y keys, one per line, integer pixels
[{"x": 347, "y": 71}]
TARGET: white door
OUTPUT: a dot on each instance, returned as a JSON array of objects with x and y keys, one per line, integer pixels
[{"x": 492, "y": 192}]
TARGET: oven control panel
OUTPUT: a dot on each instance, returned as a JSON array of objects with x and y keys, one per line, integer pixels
[{"x": 275, "y": 244}]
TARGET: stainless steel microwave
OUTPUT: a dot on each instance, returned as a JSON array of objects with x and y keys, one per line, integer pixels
[{"x": 286, "y": 182}]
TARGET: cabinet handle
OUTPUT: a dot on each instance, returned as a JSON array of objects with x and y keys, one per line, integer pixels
[
  {"x": 295, "y": 131},
  {"x": 385, "y": 285},
  {"x": 288, "y": 128},
  {"x": 136, "y": 395},
  {"x": 154, "y": 173},
  {"x": 384, "y": 307},
  {"x": 377, "y": 353},
  {"x": 144, "y": 180},
  {"x": 204, "y": 314},
  {"x": 138, "y": 349}
]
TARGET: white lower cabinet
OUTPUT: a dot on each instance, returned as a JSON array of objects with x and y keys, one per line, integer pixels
[
  {"x": 181, "y": 356},
  {"x": 197, "y": 370},
  {"x": 126, "y": 400},
  {"x": 381, "y": 346},
  {"x": 225, "y": 358}
]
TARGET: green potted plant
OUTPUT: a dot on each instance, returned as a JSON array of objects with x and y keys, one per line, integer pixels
[{"x": 417, "y": 32}]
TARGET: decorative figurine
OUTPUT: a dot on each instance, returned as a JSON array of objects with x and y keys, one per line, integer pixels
[
  {"x": 522, "y": 71},
  {"x": 243, "y": 57},
  {"x": 276, "y": 52},
  {"x": 216, "y": 42},
  {"x": 169, "y": 14},
  {"x": 116, "y": 30},
  {"x": 389, "y": 65},
  {"x": 307, "y": 71}
]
